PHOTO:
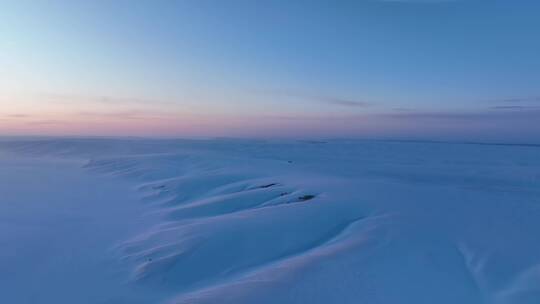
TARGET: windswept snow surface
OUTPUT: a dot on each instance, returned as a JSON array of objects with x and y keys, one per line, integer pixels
[{"x": 237, "y": 221}]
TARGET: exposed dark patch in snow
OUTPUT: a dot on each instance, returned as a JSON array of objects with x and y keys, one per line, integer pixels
[{"x": 306, "y": 197}]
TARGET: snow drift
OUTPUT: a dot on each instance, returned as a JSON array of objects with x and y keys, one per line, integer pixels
[{"x": 238, "y": 221}]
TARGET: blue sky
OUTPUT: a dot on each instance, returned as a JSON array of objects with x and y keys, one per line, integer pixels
[{"x": 407, "y": 69}]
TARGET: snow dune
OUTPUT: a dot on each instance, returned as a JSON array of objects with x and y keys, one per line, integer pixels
[{"x": 238, "y": 221}]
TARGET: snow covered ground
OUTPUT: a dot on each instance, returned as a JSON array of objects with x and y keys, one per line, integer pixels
[{"x": 246, "y": 221}]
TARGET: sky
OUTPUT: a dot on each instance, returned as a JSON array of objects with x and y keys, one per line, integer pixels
[{"x": 407, "y": 69}]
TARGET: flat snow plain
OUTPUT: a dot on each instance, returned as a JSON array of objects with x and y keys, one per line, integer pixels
[{"x": 254, "y": 221}]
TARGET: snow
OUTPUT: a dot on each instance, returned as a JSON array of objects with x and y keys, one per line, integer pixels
[
  {"x": 256, "y": 221},
  {"x": 58, "y": 227}
]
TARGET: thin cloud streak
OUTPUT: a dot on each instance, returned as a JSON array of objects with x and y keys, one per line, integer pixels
[
  {"x": 319, "y": 98},
  {"x": 46, "y": 122},
  {"x": 124, "y": 115},
  {"x": 533, "y": 99},
  {"x": 103, "y": 99},
  {"x": 515, "y": 107},
  {"x": 418, "y": 116},
  {"x": 464, "y": 115},
  {"x": 344, "y": 102},
  {"x": 17, "y": 116}
]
